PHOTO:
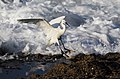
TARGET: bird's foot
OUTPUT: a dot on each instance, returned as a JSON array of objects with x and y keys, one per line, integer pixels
[
  {"x": 68, "y": 56},
  {"x": 68, "y": 51},
  {"x": 64, "y": 54}
]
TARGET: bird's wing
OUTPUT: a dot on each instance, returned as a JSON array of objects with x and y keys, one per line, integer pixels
[
  {"x": 32, "y": 21},
  {"x": 42, "y": 23},
  {"x": 56, "y": 20}
]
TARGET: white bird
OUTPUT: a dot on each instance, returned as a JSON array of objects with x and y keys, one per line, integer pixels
[{"x": 53, "y": 35}]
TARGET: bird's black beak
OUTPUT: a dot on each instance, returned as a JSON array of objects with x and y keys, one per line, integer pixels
[{"x": 67, "y": 24}]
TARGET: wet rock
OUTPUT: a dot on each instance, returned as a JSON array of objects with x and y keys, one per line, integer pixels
[
  {"x": 80, "y": 67},
  {"x": 85, "y": 67}
]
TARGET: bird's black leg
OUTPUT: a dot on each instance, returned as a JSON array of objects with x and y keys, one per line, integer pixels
[
  {"x": 61, "y": 42},
  {"x": 63, "y": 52}
]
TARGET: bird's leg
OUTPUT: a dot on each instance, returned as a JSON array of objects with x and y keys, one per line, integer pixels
[
  {"x": 67, "y": 50},
  {"x": 62, "y": 50}
]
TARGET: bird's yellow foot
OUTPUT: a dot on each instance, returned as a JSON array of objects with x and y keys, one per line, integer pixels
[
  {"x": 64, "y": 53},
  {"x": 69, "y": 51}
]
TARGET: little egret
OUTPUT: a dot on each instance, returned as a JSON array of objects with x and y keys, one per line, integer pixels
[{"x": 53, "y": 35}]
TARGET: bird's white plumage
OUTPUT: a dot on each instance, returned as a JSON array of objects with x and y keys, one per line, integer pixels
[
  {"x": 57, "y": 20},
  {"x": 52, "y": 34},
  {"x": 45, "y": 26}
]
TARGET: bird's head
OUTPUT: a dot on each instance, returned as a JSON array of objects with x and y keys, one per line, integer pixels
[{"x": 64, "y": 22}]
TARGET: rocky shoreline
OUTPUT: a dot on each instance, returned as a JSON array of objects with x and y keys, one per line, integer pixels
[
  {"x": 85, "y": 67},
  {"x": 81, "y": 67}
]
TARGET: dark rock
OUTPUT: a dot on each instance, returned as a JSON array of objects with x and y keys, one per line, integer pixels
[
  {"x": 80, "y": 67},
  {"x": 85, "y": 67}
]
